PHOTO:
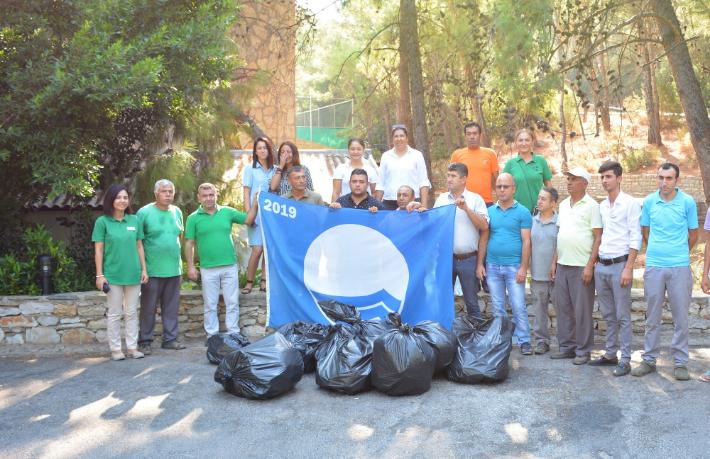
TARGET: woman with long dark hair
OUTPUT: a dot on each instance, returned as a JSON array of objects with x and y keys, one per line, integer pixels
[
  {"x": 120, "y": 268},
  {"x": 257, "y": 177},
  {"x": 341, "y": 175},
  {"x": 287, "y": 156}
]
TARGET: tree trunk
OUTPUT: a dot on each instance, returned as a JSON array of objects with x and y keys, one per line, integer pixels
[
  {"x": 604, "y": 96},
  {"x": 691, "y": 97},
  {"x": 650, "y": 92},
  {"x": 563, "y": 128},
  {"x": 404, "y": 104},
  {"x": 477, "y": 106},
  {"x": 409, "y": 44}
]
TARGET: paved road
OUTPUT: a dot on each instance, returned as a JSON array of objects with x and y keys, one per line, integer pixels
[{"x": 167, "y": 405}]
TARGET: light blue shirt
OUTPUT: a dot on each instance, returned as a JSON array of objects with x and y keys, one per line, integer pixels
[
  {"x": 505, "y": 244},
  {"x": 668, "y": 224},
  {"x": 257, "y": 179}
]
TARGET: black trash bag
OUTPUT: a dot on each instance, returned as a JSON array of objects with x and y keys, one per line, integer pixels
[
  {"x": 264, "y": 369},
  {"x": 344, "y": 360},
  {"x": 403, "y": 362},
  {"x": 483, "y": 351},
  {"x": 340, "y": 312},
  {"x": 441, "y": 339},
  {"x": 221, "y": 344},
  {"x": 306, "y": 337}
]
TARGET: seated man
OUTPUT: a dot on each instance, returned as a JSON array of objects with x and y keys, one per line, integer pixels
[
  {"x": 358, "y": 198},
  {"x": 299, "y": 192}
]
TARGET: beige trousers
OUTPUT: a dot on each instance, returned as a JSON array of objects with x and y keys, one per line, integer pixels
[{"x": 122, "y": 300}]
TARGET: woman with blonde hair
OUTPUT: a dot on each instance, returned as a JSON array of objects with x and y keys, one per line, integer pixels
[{"x": 529, "y": 170}]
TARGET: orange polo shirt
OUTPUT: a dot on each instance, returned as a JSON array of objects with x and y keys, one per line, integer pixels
[{"x": 482, "y": 163}]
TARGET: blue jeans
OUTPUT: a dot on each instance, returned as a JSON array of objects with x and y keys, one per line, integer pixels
[
  {"x": 466, "y": 272},
  {"x": 501, "y": 278}
]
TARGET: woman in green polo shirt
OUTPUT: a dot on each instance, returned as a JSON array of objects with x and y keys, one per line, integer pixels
[
  {"x": 120, "y": 268},
  {"x": 530, "y": 171}
]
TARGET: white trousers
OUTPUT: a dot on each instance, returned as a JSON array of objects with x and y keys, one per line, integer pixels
[
  {"x": 122, "y": 300},
  {"x": 226, "y": 280}
]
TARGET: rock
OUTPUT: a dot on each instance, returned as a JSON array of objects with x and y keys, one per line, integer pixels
[
  {"x": 9, "y": 311},
  {"x": 17, "y": 321},
  {"x": 15, "y": 339},
  {"x": 97, "y": 324},
  {"x": 92, "y": 311},
  {"x": 78, "y": 336},
  {"x": 197, "y": 310},
  {"x": 70, "y": 320},
  {"x": 2, "y": 335},
  {"x": 70, "y": 326},
  {"x": 101, "y": 336},
  {"x": 47, "y": 321},
  {"x": 42, "y": 335},
  {"x": 194, "y": 334},
  {"x": 36, "y": 307},
  {"x": 65, "y": 310}
]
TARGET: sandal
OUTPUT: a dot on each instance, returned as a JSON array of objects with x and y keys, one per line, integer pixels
[
  {"x": 248, "y": 287},
  {"x": 705, "y": 377},
  {"x": 262, "y": 285}
]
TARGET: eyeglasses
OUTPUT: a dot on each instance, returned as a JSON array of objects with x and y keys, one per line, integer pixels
[{"x": 503, "y": 187}]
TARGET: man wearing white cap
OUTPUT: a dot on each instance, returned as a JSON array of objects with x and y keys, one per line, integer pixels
[{"x": 573, "y": 268}]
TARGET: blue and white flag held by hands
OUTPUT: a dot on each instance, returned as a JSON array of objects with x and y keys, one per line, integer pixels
[{"x": 390, "y": 261}]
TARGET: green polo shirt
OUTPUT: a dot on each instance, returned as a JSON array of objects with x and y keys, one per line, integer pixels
[
  {"x": 162, "y": 229},
  {"x": 311, "y": 197},
  {"x": 529, "y": 178},
  {"x": 575, "y": 236},
  {"x": 121, "y": 263},
  {"x": 213, "y": 235}
]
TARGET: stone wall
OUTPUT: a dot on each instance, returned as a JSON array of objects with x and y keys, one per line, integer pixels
[{"x": 80, "y": 318}]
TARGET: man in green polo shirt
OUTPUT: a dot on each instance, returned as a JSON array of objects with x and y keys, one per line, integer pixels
[
  {"x": 299, "y": 192},
  {"x": 210, "y": 227},
  {"x": 162, "y": 228},
  {"x": 578, "y": 242}
]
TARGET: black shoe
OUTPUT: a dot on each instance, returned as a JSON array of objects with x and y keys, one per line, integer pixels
[
  {"x": 542, "y": 348},
  {"x": 623, "y": 368},
  {"x": 563, "y": 355},
  {"x": 145, "y": 348},
  {"x": 174, "y": 345},
  {"x": 604, "y": 361},
  {"x": 526, "y": 349}
]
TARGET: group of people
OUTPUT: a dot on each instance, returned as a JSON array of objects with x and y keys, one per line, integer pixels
[{"x": 569, "y": 249}]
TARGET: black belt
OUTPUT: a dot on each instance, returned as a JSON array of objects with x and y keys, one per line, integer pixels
[
  {"x": 463, "y": 256},
  {"x": 611, "y": 261}
]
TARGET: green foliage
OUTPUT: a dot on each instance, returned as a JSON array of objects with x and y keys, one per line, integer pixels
[
  {"x": 74, "y": 76},
  {"x": 19, "y": 271},
  {"x": 635, "y": 159}
]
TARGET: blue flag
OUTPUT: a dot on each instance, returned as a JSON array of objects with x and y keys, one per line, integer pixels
[{"x": 389, "y": 261}]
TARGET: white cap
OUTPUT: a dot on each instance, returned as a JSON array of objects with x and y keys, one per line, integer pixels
[{"x": 580, "y": 172}]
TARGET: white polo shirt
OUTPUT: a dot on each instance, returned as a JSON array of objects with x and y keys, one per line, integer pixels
[
  {"x": 466, "y": 234},
  {"x": 395, "y": 171},
  {"x": 622, "y": 228}
]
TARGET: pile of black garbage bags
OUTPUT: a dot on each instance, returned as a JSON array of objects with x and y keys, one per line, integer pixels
[{"x": 354, "y": 355}]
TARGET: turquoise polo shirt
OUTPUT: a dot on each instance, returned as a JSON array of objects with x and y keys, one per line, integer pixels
[
  {"x": 668, "y": 224},
  {"x": 505, "y": 244}
]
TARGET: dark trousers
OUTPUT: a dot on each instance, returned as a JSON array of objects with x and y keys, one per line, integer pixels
[
  {"x": 166, "y": 291},
  {"x": 574, "y": 303},
  {"x": 465, "y": 270}
]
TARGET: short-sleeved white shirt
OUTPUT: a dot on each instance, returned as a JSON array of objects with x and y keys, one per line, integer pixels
[
  {"x": 343, "y": 171},
  {"x": 466, "y": 235},
  {"x": 395, "y": 171}
]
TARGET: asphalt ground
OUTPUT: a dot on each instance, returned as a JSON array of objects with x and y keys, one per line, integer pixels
[{"x": 167, "y": 405}]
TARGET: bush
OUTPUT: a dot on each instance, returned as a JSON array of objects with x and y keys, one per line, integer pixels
[
  {"x": 636, "y": 159},
  {"x": 19, "y": 271}
]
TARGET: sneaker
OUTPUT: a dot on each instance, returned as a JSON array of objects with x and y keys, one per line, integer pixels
[
  {"x": 174, "y": 345},
  {"x": 643, "y": 369},
  {"x": 145, "y": 349},
  {"x": 542, "y": 348},
  {"x": 134, "y": 354},
  {"x": 117, "y": 355},
  {"x": 680, "y": 373},
  {"x": 622, "y": 369},
  {"x": 562, "y": 355},
  {"x": 604, "y": 361},
  {"x": 581, "y": 359},
  {"x": 526, "y": 349}
]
